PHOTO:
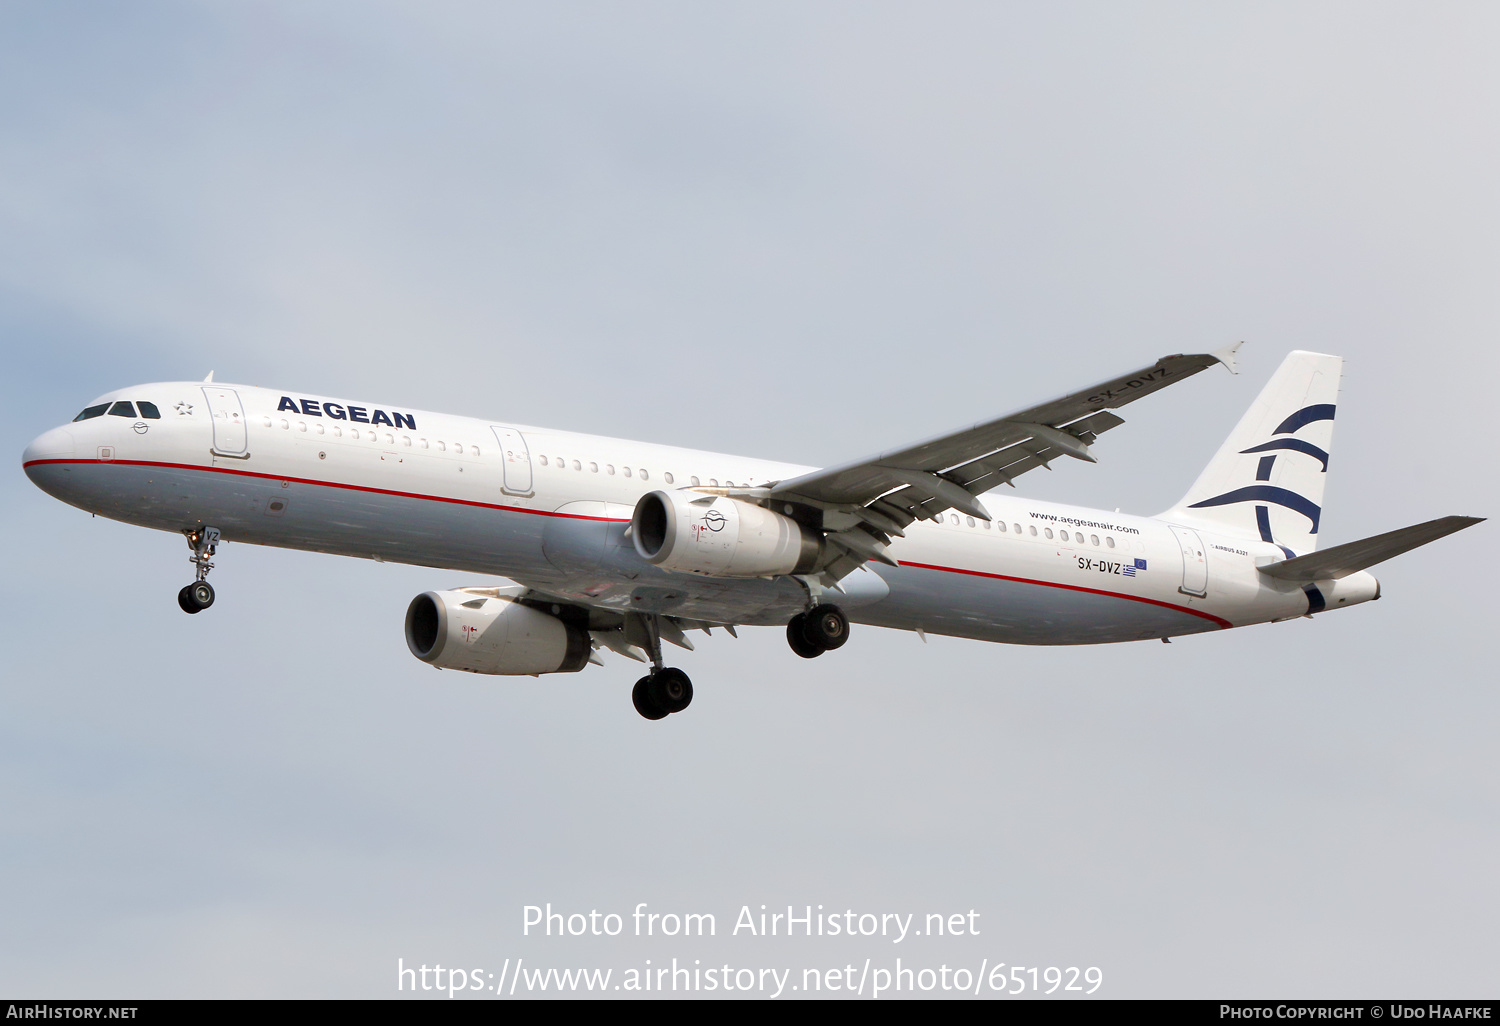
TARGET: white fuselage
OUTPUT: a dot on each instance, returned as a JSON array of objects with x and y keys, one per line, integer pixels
[{"x": 549, "y": 509}]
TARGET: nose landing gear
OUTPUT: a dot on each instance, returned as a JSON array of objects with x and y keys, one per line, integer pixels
[
  {"x": 199, "y": 595},
  {"x": 820, "y": 629}
]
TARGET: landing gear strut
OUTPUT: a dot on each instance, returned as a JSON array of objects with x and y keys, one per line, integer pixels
[
  {"x": 666, "y": 689},
  {"x": 820, "y": 629},
  {"x": 199, "y": 595}
]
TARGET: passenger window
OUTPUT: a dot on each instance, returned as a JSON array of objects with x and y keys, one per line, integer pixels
[
  {"x": 986, "y": 525},
  {"x": 625, "y": 471},
  {"x": 593, "y": 468},
  {"x": 406, "y": 441},
  {"x": 954, "y": 518},
  {"x": 694, "y": 480},
  {"x": 92, "y": 412},
  {"x": 645, "y": 475},
  {"x": 1078, "y": 537},
  {"x": 302, "y": 425},
  {"x": 542, "y": 460},
  {"x": 149, "y": 411},
  {"x": 1109, "y": 541},
  {"x": 444, "y": 448},
  {"x": 728, "y": 484},
  {"x": 1094, "y": 538},
  {"x": 285, "y": 426},
  {"x": 609, "y": 468},
  {"x": 667, "y": 477},
  {"x": 354, "y": 433},
  {"x": 1000, "y": 525},
  {"x": 970, "y": 520},
  {"x": 577, "y": 465},
  {"x": 1018, "y": 528},
  {"x": 338, "y": 432},
  {"x": 473, "y": 450},
  {"x": 1048, "y": 531},
  {"x": 713, "y": 482},
  {"x": 122, "y": 409},
  {"x": 320, "y": 429}
]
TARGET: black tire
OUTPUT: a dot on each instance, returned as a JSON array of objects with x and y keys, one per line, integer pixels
[
  {"x": 827, "y": 627},
  {"x": 796, "y": 636},
  {"x": 641, "y": 696},
  {"x": 671, "y": 690},
  {"x": 200, "y": 594},
  {"x": 186, "y": 602}
]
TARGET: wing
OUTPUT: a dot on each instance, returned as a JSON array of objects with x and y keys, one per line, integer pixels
[{"x": 881, "y": 494}]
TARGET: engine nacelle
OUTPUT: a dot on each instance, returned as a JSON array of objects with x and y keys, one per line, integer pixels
[
  {"x": 477, "y": 630},
  {"x": 717, "y": 536}
]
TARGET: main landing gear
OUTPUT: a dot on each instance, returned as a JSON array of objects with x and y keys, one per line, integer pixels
[
  {"x": 820, "y": 629},
  {"x": 658, "y": 695},
  {"x": 666, "y": 689},
  {"x": 199, "y": 595}
]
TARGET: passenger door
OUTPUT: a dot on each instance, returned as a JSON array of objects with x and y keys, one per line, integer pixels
[
  {"x": 516, "y": 457},
  {"x": 1194, "y": 561},
  {"x": 228, "y": 415}
]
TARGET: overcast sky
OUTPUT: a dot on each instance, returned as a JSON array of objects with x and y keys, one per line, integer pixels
[{"x": 790, "y": 230}]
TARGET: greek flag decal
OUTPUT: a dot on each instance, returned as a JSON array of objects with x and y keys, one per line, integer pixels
[{"x": 1130, "y": 569}]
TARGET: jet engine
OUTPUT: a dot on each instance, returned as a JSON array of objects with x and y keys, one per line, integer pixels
[
  {"x": 717, "y": 536},
  {"x": 479, "y": 630}
]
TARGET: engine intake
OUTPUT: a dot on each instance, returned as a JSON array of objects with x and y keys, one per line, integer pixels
[
  {"x": 472, "y": 629},
  {"x": 717, "y": 536}
]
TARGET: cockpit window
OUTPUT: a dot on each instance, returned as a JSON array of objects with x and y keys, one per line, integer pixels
[
  {"x": 149, "y": 411},
  {"x": 122, "y": 409},
  {"x": 92, "y": 412}
]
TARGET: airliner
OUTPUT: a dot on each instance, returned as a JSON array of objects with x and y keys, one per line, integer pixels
[{"x": 603, "y": 544}]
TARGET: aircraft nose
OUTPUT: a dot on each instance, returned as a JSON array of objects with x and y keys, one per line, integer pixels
[{"x": 56, "y": 444}]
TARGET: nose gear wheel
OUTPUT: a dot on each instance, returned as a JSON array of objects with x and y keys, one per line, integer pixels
[{"x": 195, "y": 598}]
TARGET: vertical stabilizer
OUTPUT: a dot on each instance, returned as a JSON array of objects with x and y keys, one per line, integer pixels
[{"x": 1267, "y": 480}]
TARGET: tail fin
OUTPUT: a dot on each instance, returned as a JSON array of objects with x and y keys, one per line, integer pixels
[{"x": 1266, "y": 481}]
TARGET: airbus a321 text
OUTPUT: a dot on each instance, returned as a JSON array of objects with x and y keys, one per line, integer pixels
[{"x": 622, "y": 546}]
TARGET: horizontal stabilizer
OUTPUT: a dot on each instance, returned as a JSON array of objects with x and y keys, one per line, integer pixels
[{"x": 1343, "y": 560}]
